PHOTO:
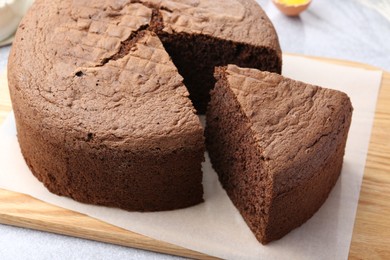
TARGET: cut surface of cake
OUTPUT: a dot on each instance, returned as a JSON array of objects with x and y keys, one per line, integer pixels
[
  {"x": 101, "y": 110},
  {"x": 277, "y": 146}
]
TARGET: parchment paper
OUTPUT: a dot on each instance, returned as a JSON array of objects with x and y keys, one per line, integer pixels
[{"x": 215, "y": 227}]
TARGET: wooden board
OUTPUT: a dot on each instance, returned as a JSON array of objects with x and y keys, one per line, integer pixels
[{"x": 371, "y": 234}]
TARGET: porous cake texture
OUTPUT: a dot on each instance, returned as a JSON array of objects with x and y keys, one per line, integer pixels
[{"x": 277, "y": 146}]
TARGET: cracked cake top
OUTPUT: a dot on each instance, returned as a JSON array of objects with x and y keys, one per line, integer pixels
[
  {"x": 294, "y": 123},
  {"x": 79, "y": 59}
]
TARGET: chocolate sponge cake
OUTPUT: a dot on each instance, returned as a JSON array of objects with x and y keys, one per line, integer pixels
[
  {"x": 277, "y": 146},
  {"x": 123, "y": 135},
  {"x": 101, "y": 110}
]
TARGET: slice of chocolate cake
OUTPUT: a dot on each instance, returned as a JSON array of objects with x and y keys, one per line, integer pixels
[{"x": 277, "y": 146}]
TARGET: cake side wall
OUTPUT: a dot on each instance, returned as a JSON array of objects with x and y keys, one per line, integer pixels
[
  {"x": 292, "y": 209},
  {"x": 131, "y": 180},
  {"x": 323, "y": 163},
  {"x": 236, "y": 158}
]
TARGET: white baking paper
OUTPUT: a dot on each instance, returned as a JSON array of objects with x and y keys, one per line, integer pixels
[{"x": 215, "y": 227}]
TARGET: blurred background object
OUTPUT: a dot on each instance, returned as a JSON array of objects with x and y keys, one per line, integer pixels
[
  {"x": 355, "y": 30},
  {"x": 11, "y": 12},
  {"x": 292, "y": 7}
]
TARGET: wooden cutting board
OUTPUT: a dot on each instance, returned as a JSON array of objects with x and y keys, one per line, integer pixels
[{"x": 371, "y": 234}]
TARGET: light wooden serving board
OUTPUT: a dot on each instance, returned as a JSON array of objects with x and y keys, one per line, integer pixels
[{"x": 371, "y": 234}]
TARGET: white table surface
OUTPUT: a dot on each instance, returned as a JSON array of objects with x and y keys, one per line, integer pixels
[{"x": 355, "y": 30}]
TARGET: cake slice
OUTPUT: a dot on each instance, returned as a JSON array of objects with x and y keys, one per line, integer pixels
[{"x": 277, "y": 146}]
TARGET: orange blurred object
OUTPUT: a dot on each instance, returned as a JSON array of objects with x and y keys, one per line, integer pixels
[{"x": 292, "y": 7}]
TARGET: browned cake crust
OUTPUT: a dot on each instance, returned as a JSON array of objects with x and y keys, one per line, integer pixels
[
  {"x": 138, "y": 146},
  {"x": 102, "y": 113},
  {"x": 277, "y": 146}
]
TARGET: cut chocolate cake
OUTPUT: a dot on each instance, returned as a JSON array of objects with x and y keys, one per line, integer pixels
[
  {"x": 101, "y": 111},
  {"x": 277, "y": 146},
  {"x": 123, "y": 135}
]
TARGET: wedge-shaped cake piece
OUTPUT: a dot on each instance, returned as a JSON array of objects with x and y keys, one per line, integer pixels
[{"x": 277, "y": 146}]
